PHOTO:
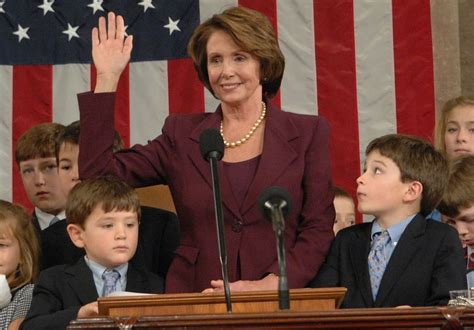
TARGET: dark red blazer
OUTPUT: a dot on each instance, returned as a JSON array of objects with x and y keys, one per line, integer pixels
[{"x": 295, "y": 156}]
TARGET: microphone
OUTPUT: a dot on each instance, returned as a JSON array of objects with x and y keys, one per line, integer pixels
[
  {"x": 211, "y": 145},
  {"x": 275, "y": 203}
]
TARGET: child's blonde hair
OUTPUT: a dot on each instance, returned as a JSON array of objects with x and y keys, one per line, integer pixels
[{"x": 14, "y": 219}]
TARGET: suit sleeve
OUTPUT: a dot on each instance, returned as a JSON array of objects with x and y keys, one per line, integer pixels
[
  {"x": 139, "y": 166},
  {"x": 328, "y": 275},
  {"x": 315, "y": 225},
  {"x": 46, "y": 311},
  {"x": 449, "y": 271}
]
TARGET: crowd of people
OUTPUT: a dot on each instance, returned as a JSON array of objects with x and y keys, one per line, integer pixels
[{"x": 90, "y": 237}]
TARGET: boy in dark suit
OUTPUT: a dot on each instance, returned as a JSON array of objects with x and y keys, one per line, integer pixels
[
  {"x": 35, "y": 157},
  {"x": 159, "y": 229},
  {"x": 102, "y": 216},
  {"x": 457, "y": 208},
  {"x": 399, "y": 258}
]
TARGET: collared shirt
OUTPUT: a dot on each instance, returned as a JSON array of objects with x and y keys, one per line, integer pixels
[
  {"x": 469, "y": 269},
  {"x": 434, "y": 215},
  {"x": 395, "y": 232},
  {"x": 45, "y": 218},
  {"x": 470, "y": 279},
  {"x": 98, "y": 270}
]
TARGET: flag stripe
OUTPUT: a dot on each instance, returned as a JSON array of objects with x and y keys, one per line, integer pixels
[
  {"x": 413, "y": 67},
  {"x": 296, "y": 34},
  {"x": 374, "y": 54},
  {"x": 208, "y": 8},
  {"x": 184, "y": 100},
  {"x": 30, "y": 84},
  {"x": 73, "y": 78},
  {"x": 269, "y": 8},
  {"x": 337, "y": 96},
  {"x": 148, "y": 99},
  {"x": 6, "y": 133}
]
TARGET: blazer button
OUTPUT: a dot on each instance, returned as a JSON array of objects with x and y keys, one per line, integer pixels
[{"x": 237, "y": 226}]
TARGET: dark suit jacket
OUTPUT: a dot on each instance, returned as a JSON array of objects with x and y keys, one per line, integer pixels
[
  {"x": 295, "y": 156},
  {"x": 427, "y": 262},
  {"x": 62, "y": 290},
  {"x": 158, "y": 238},
  {"x": 55, "y": 246}
]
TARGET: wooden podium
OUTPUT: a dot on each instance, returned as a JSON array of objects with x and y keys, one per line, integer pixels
[{"x": 301, "y": 300}]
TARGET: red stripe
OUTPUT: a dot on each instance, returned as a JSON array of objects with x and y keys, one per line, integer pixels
[
  {"x": 414, "y": 77},
  {"x": 269, "y": 8},
  {"x": 31, "y": 83},
  {"x": 122, "y": 103},
  {"x": 185, "y": 91},
  {"x": 337, "y": 89}
]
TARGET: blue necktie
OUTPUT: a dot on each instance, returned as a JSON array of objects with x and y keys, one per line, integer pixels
[
  {"x": 377, "y": 260},
  {"x": 110, "y": 277}
]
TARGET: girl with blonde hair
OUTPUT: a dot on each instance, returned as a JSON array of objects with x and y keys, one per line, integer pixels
[{"x": 18, "y": 264}]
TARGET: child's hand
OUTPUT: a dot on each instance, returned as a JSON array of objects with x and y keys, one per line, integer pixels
[{"x": 90, "y": 309}]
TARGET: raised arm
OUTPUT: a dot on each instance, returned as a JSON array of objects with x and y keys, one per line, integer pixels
[{"x": 110, "y": 51}]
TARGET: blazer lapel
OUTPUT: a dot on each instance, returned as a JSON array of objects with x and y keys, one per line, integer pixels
[
  {"x": 212, "y": 121},
  {"x": 194, "y": 152},
  {"x": 406, "y": 247},
  {"x": 277, "y": 154},
  {"x": 82, "y": 281},
  {"x": 359, "y": 253}
]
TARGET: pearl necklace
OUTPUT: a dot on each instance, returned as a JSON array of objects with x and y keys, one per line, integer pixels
[{"x": 249, "y": 134}]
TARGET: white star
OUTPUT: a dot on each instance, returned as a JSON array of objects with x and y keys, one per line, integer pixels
[
  {"x": 71, "y": 31},
  {"x": 46, "y": 6},
  {"x": 96, "y": 5},
  {"x": 125, "y": 30},
  {"x": 1, "y": 6},
  {"x": 172, "y": 25},
  {"x": 146, "y": 4},
  {"x": 22, "y": 33}
]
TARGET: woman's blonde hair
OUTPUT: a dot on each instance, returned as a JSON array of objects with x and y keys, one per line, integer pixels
[
  {"x": 442, "y": 121},
  {"x": 13, "y": 218}
]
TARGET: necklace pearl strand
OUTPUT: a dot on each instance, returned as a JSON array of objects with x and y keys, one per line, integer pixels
[{"x": 249, "y": 134}]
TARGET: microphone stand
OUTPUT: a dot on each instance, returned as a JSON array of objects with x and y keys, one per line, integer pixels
[
  {"x": 220, "y": 229},
  {"x": 279, "y": 226}
]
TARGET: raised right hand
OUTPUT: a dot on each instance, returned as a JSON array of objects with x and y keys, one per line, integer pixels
[{"x": 110, "y": 52}]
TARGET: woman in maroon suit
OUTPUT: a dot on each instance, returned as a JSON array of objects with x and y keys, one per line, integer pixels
[{"x": 237, "y": 57}]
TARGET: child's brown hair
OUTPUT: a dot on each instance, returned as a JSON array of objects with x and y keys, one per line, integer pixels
[
  {"x": 417, "y": 160},
  {"x": 37, "y": 142},
  {"x": 71, "y": 133},
  {"x": 459, "y": 193},
  {"x": 107, "y": 192}
]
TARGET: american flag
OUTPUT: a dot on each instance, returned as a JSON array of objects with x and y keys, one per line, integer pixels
[{"x": 366, "y": 65}]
